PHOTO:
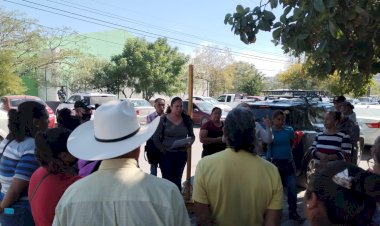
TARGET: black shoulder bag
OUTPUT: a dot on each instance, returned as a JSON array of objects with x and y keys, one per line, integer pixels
[{"x": 152, "y": 152}]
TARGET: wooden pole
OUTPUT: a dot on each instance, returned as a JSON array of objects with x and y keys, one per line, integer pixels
[{"x": 190, "y": 112}]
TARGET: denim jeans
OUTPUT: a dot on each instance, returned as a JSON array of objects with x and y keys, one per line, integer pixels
[
  {"x": 289, "y": 180},
  {"x": 22, "y": 214},
  {"x": 172, "y": 165}
]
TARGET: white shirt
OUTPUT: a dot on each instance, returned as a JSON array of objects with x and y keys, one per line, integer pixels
[
  {"x": 120, "y": 193},
  {"x": 264, "y": 134}
]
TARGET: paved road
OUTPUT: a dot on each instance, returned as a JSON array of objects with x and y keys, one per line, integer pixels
[{"x": 196, "y": 156}]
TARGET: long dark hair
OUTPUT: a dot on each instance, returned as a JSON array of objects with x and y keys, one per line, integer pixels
[
  {"x": 20, "y": 122},
  {"x": 240, "y": 129},
  {"x": 66, "y": 120},
  {"x": 175, "y": 99},
  {"x": 49, "y": 145}
]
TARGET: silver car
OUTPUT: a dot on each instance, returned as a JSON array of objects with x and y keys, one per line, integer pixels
[{"x": 143, "y": 108}]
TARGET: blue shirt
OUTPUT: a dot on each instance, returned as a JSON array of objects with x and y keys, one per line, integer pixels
[{"x": 281, "y": 146}]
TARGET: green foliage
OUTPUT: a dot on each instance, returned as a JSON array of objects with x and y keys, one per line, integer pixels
[
  {"x": 10, "y": 83},
  {"x": 150, "y": 68},
  {"x": 336, "y": 36},
  {"x": 295, "y": 77},
  {"x": 248, "y": 79}
]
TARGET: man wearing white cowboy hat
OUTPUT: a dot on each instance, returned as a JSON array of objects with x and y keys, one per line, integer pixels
[{"x": 119, "y": 193}]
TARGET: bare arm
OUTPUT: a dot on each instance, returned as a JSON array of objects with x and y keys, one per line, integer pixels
[
  {"x": 202, "y": 213},
  {"x": 208, "y": 140},
  {"x": 13, "y": 193},
  {"x": 272, "y": 217}
]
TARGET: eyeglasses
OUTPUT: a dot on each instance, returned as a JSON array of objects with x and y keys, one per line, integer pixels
[{"x": 371, "y": 163}]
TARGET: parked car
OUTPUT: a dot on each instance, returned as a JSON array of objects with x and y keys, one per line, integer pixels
[
  {"x": 201, "y": 111},
  {"x": 306, "y": 118},
  {"x": 214, "y": 102},
  {"x": 370, "y": 100},
  {"x": 91, "y": 98},
  {"x": 368, "y": 117},
  {"x": 3, "y": 124},
  {"x": 143, "y": 108},
  {"x": 13, "y": 101}
]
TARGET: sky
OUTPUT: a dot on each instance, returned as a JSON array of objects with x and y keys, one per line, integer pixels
[{"x": 186, "y": 24}]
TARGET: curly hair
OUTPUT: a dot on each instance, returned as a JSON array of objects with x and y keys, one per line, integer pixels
[
  {"x": 49, "y": 145},
  {"x": 353, "y": 206}
]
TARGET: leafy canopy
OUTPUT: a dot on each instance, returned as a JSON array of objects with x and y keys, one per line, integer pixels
[
  {"x": 149, "y": 68},
  {"x": 336, "y": 36},
  {"x": 247, "y": 78},
  {"x": 10, "y": 83}
]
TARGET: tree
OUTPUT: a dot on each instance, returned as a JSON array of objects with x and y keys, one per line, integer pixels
[
  {"x": 296, "y": 77},
  {"x": 247, "y": 78},
  {"x": 211, "y": 65},
  {"x": 336, "y": 36},
  {"x": 10, "y": 83},
  {"x": 150, "y": 68}
]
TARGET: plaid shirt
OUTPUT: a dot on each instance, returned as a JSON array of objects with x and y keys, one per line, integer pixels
[{"x": 151, "y": 117}]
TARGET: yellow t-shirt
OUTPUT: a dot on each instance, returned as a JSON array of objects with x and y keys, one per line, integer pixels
[{"x": 238, "y": 186}]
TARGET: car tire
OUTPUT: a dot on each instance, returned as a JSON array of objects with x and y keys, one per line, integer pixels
[{"x": 204, "y": 120}]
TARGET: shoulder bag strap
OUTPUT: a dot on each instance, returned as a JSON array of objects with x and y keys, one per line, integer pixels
[
  {"x": 163, "y": 129},
  {"x": 6, "y": 145},
  {"x": 37, "y": 186}
]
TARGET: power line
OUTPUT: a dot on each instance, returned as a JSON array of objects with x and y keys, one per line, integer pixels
[
  {"x": 115, "y": 16},
  {"x": 138, "y": 31}
]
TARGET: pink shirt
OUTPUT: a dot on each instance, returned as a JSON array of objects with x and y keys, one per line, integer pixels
[{"x": 47, "y": 194}]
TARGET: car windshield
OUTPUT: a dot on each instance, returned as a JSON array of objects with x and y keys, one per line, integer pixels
[
  {"x": 15, "y": 102},
  {"x": 101, "y": 99},
  {"x": 295, "y": 117},
  {"x": 204, "y": 106},
  {"x": 317, "y": 115},
  {"x": 211, "y": 100},
  {"x": 141, "y": 103}
]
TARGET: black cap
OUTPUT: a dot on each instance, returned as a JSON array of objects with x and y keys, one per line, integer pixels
[
  {"x": 82, "y": 104},
  {"x": 339, "y": 99}
]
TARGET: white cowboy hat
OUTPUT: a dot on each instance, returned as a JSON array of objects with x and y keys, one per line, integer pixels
[{"x": 115, "y": 131}]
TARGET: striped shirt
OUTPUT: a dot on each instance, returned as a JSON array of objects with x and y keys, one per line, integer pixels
[
  {"x": 338, "y": 144},
  {"x": 17, "y": 161}
]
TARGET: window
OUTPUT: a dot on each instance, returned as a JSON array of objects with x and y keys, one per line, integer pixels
[
  {"x": 228, "y": 98},
  {"x": 222, "y": 98},
  {"x": 72, "y": 99},
  {"x": 3, "y": 103},
  {"x": 101, "y": 99}
]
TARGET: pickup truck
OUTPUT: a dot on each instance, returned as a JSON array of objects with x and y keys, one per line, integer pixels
[{"x": 232, "y": 100}]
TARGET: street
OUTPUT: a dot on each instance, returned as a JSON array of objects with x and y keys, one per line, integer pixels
[{"x": 196, "y": 156}]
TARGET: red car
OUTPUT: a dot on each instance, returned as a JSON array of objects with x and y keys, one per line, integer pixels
[{"x": 12, "y": 102}]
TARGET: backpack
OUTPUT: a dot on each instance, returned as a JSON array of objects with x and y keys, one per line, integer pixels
[{"x": 154, "y": 154}]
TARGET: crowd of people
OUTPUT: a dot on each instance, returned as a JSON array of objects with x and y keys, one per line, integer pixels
[{"x": 86, "y": 172}]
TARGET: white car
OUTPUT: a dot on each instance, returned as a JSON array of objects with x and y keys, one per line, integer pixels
[
  {"x": 91, "y": 98},
  {"x": 214, "y": 102},
  {"x": 143, "y": 108},
  {"x": 3, "y": 124},
  {"x": 368, "y": 117}
]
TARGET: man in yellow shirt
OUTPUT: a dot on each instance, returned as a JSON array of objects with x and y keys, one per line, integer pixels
[{"x": 236, "y": 186}]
